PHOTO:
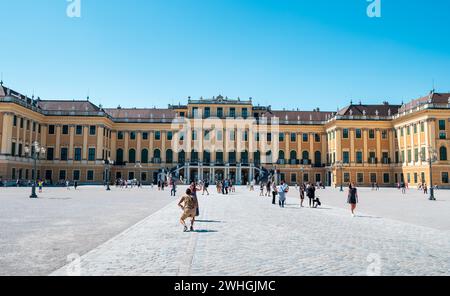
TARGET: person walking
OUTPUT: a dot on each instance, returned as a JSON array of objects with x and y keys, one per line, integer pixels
[
  {"x": 75, "y": 185},
  {"x": 173, "y": 190},
  {"x": 67, "y": 184},
  {"x": 274, "y": 192},
  {"x": 311, "y": 193},
  {"x": 302, "y": 194},
  {"x": 268, "y": 187},
  {"x": 282, "y": 191},
  {"x": 261, "y": 189},
  {"x": 40, "y": 184},
  {"x": 194, "y": 188},
  {"x": 205, "y": 187},
  {"x": 352, "y": 198},
  {"x": 189, "y": 204},
  {"x": 425, "y": 188},
  {"x": 403, "y": 187}
]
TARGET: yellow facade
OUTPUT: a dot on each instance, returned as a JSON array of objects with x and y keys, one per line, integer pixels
[{"x": 375, "y": 143}]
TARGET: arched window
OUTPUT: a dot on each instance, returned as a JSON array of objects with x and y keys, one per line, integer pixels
[
  {"x": 293, "y": 155},
  {"x": 181, "y": 157},
  {"x": 131, "y": 156},
  {"x": 443, "y": 153},
  {"x": 305, "y": 155},
  {"x": 119, "y": 156},
  {"x": 232, "y": 157},
  {"x": 281, "y": 155},
  {"x": 317, "y": 158},
  {"x": 206, "y": 157},
  {"x": 269, "y": 157},
  {"x": 194, "y": 156},
  {"x": 257, "y": 157},
  {"x": 219, "y": 157},
  {"x": 244, "y": 156},
  {"x": 157, "y": 154},
  {"x": 144, "y": 156},
  {"x": 169, "y": 156}
]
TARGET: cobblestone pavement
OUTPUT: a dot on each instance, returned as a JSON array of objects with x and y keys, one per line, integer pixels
[
  {"x": 244, "y": 234},
  {"x": 36, "y": 235}
]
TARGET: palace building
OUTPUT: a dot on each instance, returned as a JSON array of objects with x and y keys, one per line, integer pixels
[{"x": 360, "y": 143}]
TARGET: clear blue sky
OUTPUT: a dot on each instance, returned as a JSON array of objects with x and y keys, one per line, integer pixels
[{"x": 304, "y": 54}]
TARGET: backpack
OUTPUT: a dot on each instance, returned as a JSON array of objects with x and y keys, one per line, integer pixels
[{"x": 189, "y": 202}]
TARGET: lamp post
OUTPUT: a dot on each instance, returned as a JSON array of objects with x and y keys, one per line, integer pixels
[
  {"x": 340, "y": 165},
  {"x": 108, "y": 163},
  {"x": 432, "y": 157},
  {"x": 35, "y": 155},
  {"x": 138, "y": 166}
]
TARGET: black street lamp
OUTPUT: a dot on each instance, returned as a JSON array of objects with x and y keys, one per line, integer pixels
[
  {"x": 340, "y": 165},
  {"x": 35, "y": 155},
  {"x": 108, "y": 163},
  {"x": 432, "y": 157}
]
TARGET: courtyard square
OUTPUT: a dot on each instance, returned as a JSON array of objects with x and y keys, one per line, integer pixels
[{"x": 137, "y": 232}]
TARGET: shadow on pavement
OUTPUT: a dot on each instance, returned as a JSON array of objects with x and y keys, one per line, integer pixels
[
  {"x": 204, "y": 231},
  {"x": 209, "y": 221}
]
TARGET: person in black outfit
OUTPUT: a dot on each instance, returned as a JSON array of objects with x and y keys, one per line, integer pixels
[{"x": 310, "y": 192}]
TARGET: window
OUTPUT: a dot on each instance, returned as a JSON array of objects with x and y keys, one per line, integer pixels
[
  {"x": 386, "y": 178},
  {"x": 408, "y": 130},
  {"x": 15, "y": 120},
  {"x": 409, "y": 155},
  {"x": 194, "y": 135},
  {"x": 132, "y": 156},
  {"x": 445, "y": 177},
  {"x": 415, "y": 178},
  {"x": 442, "y": 135},
  {"x": 34, "y": 126},
  {"x": 371, "y": 134},
  {"x": 305, "y": 177},
  {"x": 182, "y": 114},
  {"x": 219, "y": 136},
  {"x": 169, "y": 136},
  {"x": 257, "y": 137},
  {"x": 345, "y": 133},
  {"x": 359, "y": 157},
  {"x": 346, "y": 157},
  {"x": 415, "y": 130},
  {"x": 385, "y": 156},
  {"x": 403, "y": 156},
  {"x": 145, "y": 136},
  {"x": 316, "y": 138},
  {"x": 77, "y": 154},
  {"x": 91, "y": 154},
  {"x": 281, "y": 137},
  {"x": 207, "y": 112},
  {"x": 245, "y": 136},
  {"x": 360, "y": 178},
  {"x": 64, "y": 153},
  {"x": 416, "y": 154},
  {"x": 244, "y": 113},
  {"x": 402, "y": 132},
  {"x": 443, "y": 153},
  {"x": 132, "y": 135},
  {"x": 442, "y": 125},
  {"x": 373, "y": 177},
  {"x": 206, "y": 135},
  {"x": 220, "y": 112},
  {"x": 294, "y": 178},
  {"x": 21, "y": 123},
  {"x": 92, "y": 130},
  {"x": 269, "y": 137},
  {"x": 13, "y": 148},
  {"x": 90, "y": 175},
  {"x": 233, "y": 112},
  {"x": 293, "y": 137},
  {"x": 422, "y": 127},
  {"x": 79, "y": 130},
  {"x": 305, "y": 137},
  {"x": 50, "y": 153},
  {"x": 384, "y": 134},
  {"x": 232, "y": 135},
  {"x": 65, "y": 129},
  {"x": 346, "y": 177},
  {"x": 144, "y": 156},
  {"x": 76, "y": 175},
  {"x": 28, "y": 124},
  {"x": 358, "y": 133},
  {"x": 62, "y": 175},
  {"x": 195, "y": 112},
  {"x": 51, "y": 129},
  {"x": 157, "y": 135},
  {"x": 120, "y": 135}
]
